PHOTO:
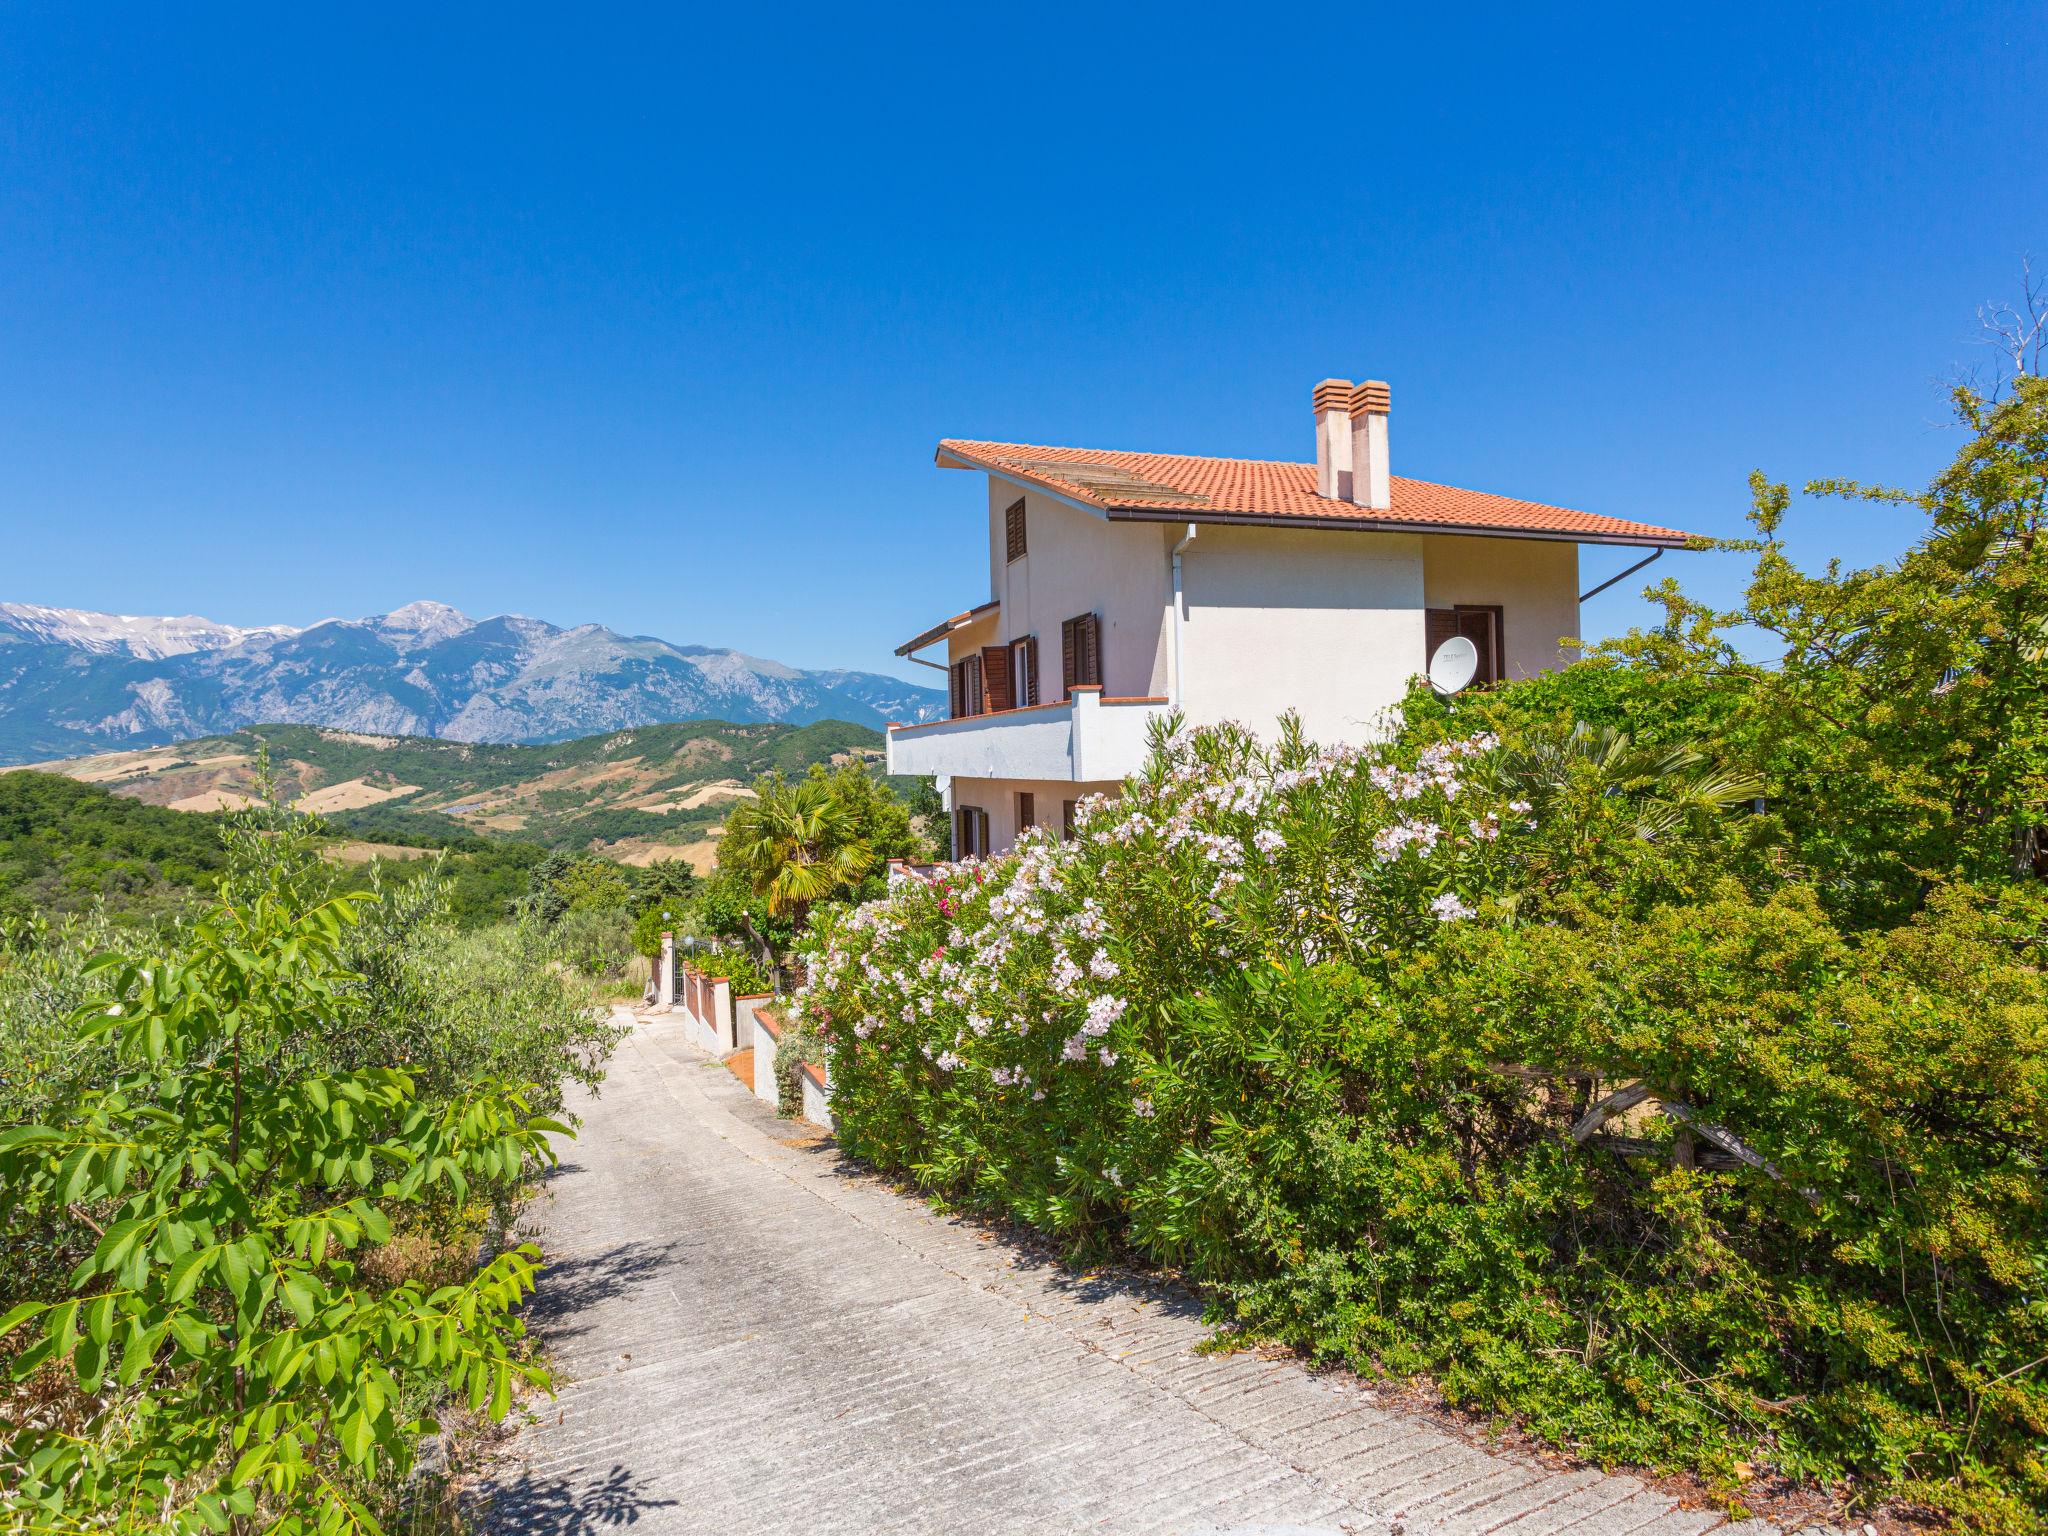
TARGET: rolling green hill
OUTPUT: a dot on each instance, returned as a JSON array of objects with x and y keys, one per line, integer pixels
[
  {"x": 652, "y": 792},
  {"x": 65, "y": 845}
]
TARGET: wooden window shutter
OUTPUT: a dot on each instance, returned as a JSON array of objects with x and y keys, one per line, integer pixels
[
  {"x": 954, "y": 676},
  {"x": 1027, "y": 809},
  {"x": 1013, "y": 529},
  {"x": 1031, "y": 669},
  {"x": 1066, "y": 818},
  {"x": 1438, "y": 625},
  {"x": 1481, "y": 624},
  {"x": 1080, "y": 652},
  {"x": 970, "y": 686},
  {"x": 995, "y": 675}
]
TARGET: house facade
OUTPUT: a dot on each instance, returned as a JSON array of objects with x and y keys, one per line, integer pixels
[{"x": 1125, "y": 585}]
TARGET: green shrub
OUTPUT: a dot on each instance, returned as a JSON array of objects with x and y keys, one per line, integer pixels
[
  {"x": 1317, "y": 1026},
  {"x": 240, "y": 1344},
  {"x": 595, "y": 942}
]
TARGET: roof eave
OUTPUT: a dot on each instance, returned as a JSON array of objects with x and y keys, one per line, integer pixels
[
  {"x": 951, "y": 458},
  {"x": 946, "y": 627}
]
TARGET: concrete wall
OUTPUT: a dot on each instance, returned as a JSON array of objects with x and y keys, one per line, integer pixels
[
  {"x": 1535, "y": 582},
  {"x": 999, "y": 798},
  {"x": 1030, "y": 741},
  {"x": 817, "y": 1095},
  {"x": 767, "y": 1040},
  {"x": 707, "y": 1007},
  {"x": 1328, "y": 623},
  {"x": 745, "y": 1009},
  {"x": 1079, "y": 563}
]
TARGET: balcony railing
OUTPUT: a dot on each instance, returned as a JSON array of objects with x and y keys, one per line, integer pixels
[{"x": 1082, "y": 739}]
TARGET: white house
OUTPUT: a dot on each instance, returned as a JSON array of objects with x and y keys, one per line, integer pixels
[{"x": 1123, "y": 585}]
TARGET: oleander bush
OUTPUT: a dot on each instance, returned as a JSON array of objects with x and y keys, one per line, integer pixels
[{"x": 1657, "y": 1052}]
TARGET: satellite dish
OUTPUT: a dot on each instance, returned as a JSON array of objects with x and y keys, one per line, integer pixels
[{"x": 1455, "y": 664}]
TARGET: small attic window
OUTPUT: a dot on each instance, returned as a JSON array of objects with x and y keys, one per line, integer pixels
[{"x": 1013, "y": 529}]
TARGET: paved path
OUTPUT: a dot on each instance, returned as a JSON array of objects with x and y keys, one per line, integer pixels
[{"x": 753, "y": 1337}]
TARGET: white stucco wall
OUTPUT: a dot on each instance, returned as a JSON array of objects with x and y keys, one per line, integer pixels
[
  {"x": 1034, "y": 742},
  {"x": 1078, "y": 563},
  {"x": 1535, "y": 582},
  {"x": 766, "y": 1042},
  {"x": 1327, "y": 623},
  {"x": 999, "y": 798},
  {"x": 817, "y": 1101}
]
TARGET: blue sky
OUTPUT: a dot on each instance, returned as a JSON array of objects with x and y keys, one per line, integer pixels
[{"x": 652, "y": 317}]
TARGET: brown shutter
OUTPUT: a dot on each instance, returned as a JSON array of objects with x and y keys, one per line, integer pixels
[
  {"x": 1070, "y": 656},
  {"x": 970, "y": 686},
  {"x": 1067, "y": 818},
  {"x": 953, "y": 690},
  {"x": 1091, "y": 649},
  {"x": 1031, "y": 669},
  {"x": 1481, "y": 624},
  {"x": 1438, "y": 625},
  {"x": 1013, "y": 529},
  {"x": 995, "y": 675},
  {"x": 1027, "y": 809}
]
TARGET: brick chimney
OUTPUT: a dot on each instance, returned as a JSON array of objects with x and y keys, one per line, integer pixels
[
  {"x": 1333, "y": 439},
  {"x": 1370, "y": 483}
]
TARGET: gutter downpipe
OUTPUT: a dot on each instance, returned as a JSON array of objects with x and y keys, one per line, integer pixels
[{"x": 1175, "y": 691}]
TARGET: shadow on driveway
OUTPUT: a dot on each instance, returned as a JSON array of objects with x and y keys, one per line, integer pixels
[{"x": 554, "y": 1506}]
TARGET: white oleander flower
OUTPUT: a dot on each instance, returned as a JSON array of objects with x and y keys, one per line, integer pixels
[{"x": 1449, "y": 909}]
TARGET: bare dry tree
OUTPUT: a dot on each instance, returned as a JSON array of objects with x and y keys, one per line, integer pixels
[{"x": 2018, "y": 332}]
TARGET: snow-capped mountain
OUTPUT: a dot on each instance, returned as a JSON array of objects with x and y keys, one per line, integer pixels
[
  {"x": 109, "y": 634},
  {"x": 73, "y": 682}
]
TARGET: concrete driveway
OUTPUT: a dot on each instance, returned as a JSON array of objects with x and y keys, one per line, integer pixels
[{"x": 753, "y": 1336}]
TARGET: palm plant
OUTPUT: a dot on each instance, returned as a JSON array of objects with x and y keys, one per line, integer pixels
[
  {"x": 795, "y": 844},
  {"x": 1668, "y": 784}
]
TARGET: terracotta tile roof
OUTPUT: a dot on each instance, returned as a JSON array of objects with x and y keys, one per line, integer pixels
[{"x": 1182, "y": 488}]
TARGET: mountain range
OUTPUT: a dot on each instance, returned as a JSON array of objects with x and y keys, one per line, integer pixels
[{"x": 73, "y": 681}]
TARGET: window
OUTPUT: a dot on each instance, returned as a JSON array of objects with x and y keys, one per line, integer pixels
[
  {"x": 964, "y": 691},
  {"x": 1477, "y": 622},
  {"x": 1013, "y": 529},
  {"x": 1080, "y": 653},
  {"x": 970, "y": 832},
  {"x": 1024, "y": 672},
  {"x": 1027, "y": 809},
  {"x": 1066, "y": 818}
]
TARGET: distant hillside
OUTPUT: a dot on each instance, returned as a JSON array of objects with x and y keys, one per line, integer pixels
[
  {"x": 657, "y": 791},
  {"x": 75, "y": 681},
  {"x": 65, "y": 846}
]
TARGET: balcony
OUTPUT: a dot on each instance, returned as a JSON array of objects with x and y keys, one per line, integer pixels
[{"x": 1084, "y": 739}]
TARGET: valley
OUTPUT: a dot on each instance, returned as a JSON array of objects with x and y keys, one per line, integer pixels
[{"x": 640, "y": 795}]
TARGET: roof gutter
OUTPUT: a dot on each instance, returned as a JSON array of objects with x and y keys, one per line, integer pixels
[{"x": 1391, "y": 525}]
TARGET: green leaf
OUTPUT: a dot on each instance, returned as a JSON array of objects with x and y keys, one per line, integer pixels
[
  {"x": 193, "y": 1336},
  {"x": 357, "y": 1439},
  {"x": 187, "y": 1272},
  {"x": 20, "y": 1315},
  {"x": 234, "y": 1270},
  {"x": 298, "y": 1295}
]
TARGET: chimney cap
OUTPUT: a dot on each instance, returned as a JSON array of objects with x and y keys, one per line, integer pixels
[
  {"x": 1371, "y": 399},
  {"x": 1333, "y": 395}
]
